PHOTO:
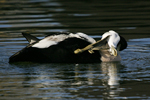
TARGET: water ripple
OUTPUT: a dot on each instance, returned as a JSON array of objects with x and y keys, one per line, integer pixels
[{"x": 124, "y": 80}]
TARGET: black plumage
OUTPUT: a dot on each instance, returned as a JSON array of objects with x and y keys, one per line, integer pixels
[
  {"x": 63, "y": 52},
  {"x": 61, "y": 48}
]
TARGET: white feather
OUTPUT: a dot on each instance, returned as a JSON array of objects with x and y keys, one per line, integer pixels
[
  {"x": 54, "y": 39},
  {"x": 113, "y": 39},
  {"x": 89, "y": 39},
  {"x": 45, "y": 43}
]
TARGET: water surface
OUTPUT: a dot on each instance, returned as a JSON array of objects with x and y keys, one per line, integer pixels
[{"x": 128, "y": 79}]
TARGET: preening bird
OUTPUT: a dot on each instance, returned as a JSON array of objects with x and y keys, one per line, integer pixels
[{"x": 71, "y": 48}]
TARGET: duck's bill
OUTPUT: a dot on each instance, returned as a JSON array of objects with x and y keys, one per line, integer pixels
[
  {"x": 113, "y": 51},
  {"x": 95, "y": 46}
]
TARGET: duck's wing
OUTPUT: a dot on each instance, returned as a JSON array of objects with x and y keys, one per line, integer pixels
[
  {"x": 31, "y": 39},
  {"x": 95, "y": 46}
]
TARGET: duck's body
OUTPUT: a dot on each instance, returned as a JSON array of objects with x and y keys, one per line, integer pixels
[{"x": 60, "y": 49}]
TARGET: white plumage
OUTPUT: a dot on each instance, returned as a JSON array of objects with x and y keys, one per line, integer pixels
[
  {"x": 113, "y": 39},
  {"x": 54, "y": 39}
]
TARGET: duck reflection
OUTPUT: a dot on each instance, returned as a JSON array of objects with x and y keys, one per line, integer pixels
[
  {"x": 83, "y": 75},
  {"x": 111, "y": 79},
  {"x": 101, "y": 80},
  {"x": 76, "y": 81}
]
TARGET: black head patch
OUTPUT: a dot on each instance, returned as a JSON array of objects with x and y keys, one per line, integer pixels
[{"x": 122, "y": 43}]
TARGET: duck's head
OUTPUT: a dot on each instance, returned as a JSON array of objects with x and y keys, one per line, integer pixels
[
  {"x": 110, "y": 43},
  {"x": 114, "y": 42}
]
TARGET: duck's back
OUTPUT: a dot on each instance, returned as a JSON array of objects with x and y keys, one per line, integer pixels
[{"x": 62, "y": 52}]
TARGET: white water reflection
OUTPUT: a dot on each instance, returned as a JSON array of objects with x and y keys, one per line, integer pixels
[
  {"x": 110, "y": 70},
  {"x": 111, "y": 80},
  {"x": 97, "y": 83}
]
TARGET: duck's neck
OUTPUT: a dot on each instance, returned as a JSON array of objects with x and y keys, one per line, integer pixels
[{"x": 107, "y": 57}]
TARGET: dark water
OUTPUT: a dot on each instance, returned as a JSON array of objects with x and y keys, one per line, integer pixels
[{"x": 128, "y": 79}]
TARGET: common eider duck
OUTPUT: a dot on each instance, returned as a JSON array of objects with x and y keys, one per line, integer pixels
[{"x": 71, "y": 48}]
